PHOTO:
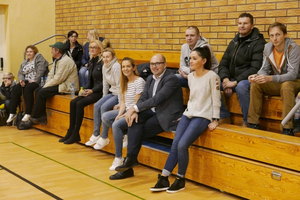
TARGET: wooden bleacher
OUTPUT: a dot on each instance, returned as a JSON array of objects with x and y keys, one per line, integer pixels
[{"x": 253, "y": 164}]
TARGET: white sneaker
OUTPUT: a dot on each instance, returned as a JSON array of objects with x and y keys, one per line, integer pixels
[
  {"x": 125, "y": 141},
  {"x": 25, "y": 118},
  {"x": 102, "y": 142},
  {"x": 92, "y": 141},
  {"x": 117, "y": 162},
  {"x": 11, "y": 117}
]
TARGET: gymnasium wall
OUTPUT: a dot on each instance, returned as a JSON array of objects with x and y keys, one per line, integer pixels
[
  {"x": 161, "y": 24},
  {"x": 26, "y": 22}
]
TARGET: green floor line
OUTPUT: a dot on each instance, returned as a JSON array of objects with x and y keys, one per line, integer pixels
[
  {"x": 5, "y": 142},
  {"x": 77, "y": 170}
]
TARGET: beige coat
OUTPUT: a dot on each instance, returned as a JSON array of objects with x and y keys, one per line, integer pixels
[{"x": 65, "y": 75}]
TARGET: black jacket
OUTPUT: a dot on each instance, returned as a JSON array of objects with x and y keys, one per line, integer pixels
[
  {"x": 168, "y": 100},
  {"x": 76, "y": 53},
  {"x": 95, "y": 80},
  {"x": 242, "y": 58},
  {"x": 5, "y": 92}
]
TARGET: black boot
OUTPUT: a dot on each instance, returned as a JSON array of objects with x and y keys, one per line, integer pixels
[
  {"x": 75, "y": 137},
  {"x": 69, "y": 133},
  {"x": 121, "y": 175},
  {"x": 128, "y": 163}
]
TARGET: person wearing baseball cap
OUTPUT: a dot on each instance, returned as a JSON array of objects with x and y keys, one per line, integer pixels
[{"x": 60, "y": 78}]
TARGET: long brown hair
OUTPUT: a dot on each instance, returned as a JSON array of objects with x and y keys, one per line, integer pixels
[{"x": 123, "y": 78}]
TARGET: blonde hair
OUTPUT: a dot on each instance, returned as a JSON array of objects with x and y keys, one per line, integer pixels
[
  {"x": 95, "y": 35},
  {"x": 9, "y": 74},
  {"x": 123, "y": 78},
  {"x": 106, "y": 43},
  {"x": 99, "y": 44}
]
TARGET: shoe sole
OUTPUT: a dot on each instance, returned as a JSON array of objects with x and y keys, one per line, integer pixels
[
  {"x": 101, "y": 147},
  {"x": 90, "y": 144},
  {"x": 158, "y": 189},
  {"x": 131, "y": 175},
  {"x": 174, "y": 191}
]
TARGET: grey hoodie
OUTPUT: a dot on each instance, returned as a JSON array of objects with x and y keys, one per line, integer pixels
[
  {"x": 40, "y": 66},
  {"x": 290, "y": 62},
  {"x": 186, "y": 51}
]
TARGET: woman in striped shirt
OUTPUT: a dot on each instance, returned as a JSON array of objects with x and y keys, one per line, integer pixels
[{"x": 131, "y": 88}]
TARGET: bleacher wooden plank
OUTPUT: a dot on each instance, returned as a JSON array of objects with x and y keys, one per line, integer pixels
[
  {"x": 62, "y": 103},
  {"x": 271, "y": 107},
  {"x": 243, "y": 177},
  {"x": 264, "y": 123},
  {"x": 263, "y": 146},
  {"x": 144, "y": 56}
]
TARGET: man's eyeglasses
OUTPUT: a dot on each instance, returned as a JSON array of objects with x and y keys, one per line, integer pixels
[
  {"x": 94, "y": 48},
  {"x": 5, "y": 78},
  {"x": 156, "y": 64}
]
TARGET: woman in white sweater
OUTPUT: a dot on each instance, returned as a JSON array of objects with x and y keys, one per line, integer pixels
[
  {"x": 203, "y": 111},
  {"x": 111, "y": 94}
]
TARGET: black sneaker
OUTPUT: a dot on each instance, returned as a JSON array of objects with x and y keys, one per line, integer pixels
[
  {"x": 178, "y": 185},
  {"x": 254, "y": 126},
  {"x": 289, "y": 132},
  {"x": 162, "y": 184},
  {"x": 121, "y": 175}
]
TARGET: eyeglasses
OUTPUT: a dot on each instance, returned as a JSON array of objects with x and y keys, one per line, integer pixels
[
  {"x": 156, "y": 64},
  {"x": 5, "y": 78},
  {"x": 93, "y": 48}
]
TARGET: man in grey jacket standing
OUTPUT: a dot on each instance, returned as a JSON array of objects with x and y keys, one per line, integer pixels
[
  {"x": 279, "y": 75},
  {"x": 193, "y": 40}
]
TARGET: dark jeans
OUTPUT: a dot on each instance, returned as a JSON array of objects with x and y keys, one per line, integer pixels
[
  {"x": 147, "y": 126},
  {"x": 77, "y": 109},
  {"x": 41, "y": 95},
  {"x": 188, "y": 130},
  {"x": 28, "y": 95}
]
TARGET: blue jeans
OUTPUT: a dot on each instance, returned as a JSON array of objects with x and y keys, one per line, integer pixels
[
  {"x": 188, "y": 130},
  {"x": 104, "y": 104},
  {"x": 243, "y": 92},
  {"x": 183, "y": 81},
  {"x": 83, "y": 76},
  {"x": 118, "y": 128}
]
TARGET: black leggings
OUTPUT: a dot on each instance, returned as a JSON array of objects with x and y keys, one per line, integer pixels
[
  {"x": 77, "y": 109},
  {"x": 28, "y": 95}
]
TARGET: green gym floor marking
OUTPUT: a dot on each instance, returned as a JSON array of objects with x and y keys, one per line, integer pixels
[{"x": 74, "y": 169}]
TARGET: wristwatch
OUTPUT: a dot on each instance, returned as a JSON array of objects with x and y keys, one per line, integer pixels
[{"x": 215, "y": 119}]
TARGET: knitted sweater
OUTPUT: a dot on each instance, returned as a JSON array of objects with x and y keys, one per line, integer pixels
[{"x": 204, "y": 100}]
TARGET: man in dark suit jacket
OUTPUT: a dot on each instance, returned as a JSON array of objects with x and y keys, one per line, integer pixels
[{"x": 158, "y": 110}]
